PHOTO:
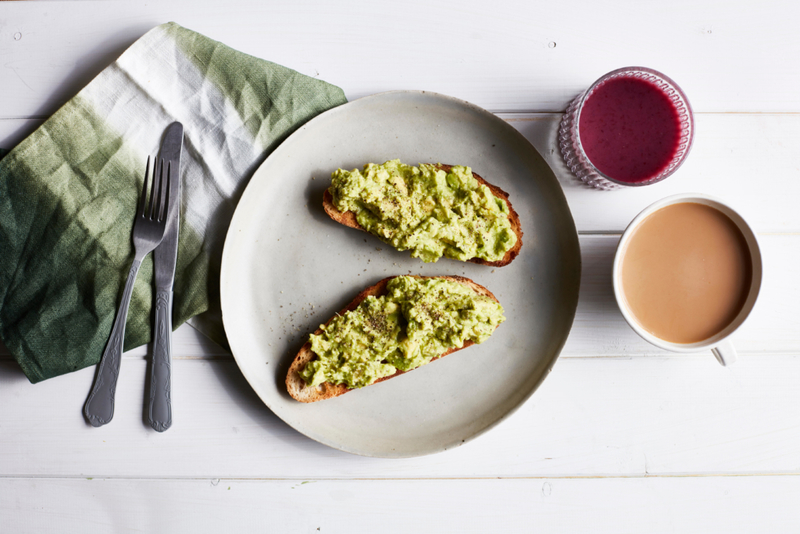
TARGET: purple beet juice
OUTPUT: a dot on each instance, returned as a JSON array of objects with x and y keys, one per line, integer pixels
[{"x": 629, "y": 129}]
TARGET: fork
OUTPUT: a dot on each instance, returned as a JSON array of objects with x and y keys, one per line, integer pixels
[{"x": 148, "y": 231}]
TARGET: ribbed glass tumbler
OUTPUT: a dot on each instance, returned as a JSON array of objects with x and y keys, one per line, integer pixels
[{"x": 621, "y": 115}]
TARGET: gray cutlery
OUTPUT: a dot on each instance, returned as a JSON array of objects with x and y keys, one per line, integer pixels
[
  {"x": 148, "y": 231},
  {"x": 160, "y": 410}
]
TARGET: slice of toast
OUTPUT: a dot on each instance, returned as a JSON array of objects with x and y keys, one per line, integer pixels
[
  {"x": 297, "y": 387},
  {"x": 348, "y": 218}
]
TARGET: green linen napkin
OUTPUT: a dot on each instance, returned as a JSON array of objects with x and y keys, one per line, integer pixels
[{"x": 68, "y": 192}]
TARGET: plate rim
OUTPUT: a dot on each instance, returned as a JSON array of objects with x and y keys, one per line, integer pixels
[{"x": 290, "y": 140}]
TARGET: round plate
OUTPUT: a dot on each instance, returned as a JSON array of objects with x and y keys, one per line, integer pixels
[{"x": 287, "y": 268}]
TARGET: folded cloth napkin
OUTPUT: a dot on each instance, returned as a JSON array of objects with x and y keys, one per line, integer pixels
[{"x": 68, "y": 192}]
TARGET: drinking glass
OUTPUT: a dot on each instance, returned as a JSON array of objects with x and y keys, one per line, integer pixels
[{"x": 569, "y": 138}]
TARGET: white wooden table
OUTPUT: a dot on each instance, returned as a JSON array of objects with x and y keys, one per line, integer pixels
[{"x": 621, "y": 437}]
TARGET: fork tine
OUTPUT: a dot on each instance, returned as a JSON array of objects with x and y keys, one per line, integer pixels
[
  {"x": 164, "y": 200},
  {"x": 143, "y": 203},
  {"x": 155, "y": 192}
]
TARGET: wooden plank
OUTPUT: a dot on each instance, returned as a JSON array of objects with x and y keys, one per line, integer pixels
[
  {"x": 600, "y": 330},
  {"x": 701, "y": 505},
  {"x": 741, "y": 158},
  {"x": 633, "y": 413},
  {"x": 592, "y": 417},
  {"x": 518, "y": 56}
]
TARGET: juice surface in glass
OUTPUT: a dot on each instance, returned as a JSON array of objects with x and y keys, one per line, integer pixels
[{"x": 630, "y": 129}]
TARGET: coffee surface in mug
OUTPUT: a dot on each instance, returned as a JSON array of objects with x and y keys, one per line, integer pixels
[{"x": 686, "y": 272}]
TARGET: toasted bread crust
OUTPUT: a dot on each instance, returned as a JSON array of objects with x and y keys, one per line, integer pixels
[
  {"x": 297, "y": 387},
  {"x": 348, "y": 218}
]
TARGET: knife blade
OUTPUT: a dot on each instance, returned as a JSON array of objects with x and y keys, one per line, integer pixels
[{"x": 164, "y": 259}]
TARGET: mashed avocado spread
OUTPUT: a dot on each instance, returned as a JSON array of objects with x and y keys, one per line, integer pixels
[
  {"x": 427, "y": 210},
  {"x": 415, "y": 322}
]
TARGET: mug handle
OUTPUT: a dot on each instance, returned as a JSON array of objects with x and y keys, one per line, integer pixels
[{"x": 725, "y": 352}]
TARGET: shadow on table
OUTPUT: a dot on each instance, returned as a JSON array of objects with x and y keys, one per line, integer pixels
[
  {"x": 233, "y": 382},
  {"x": 103, "y": 54},
  {"x": 10, "y": 371},
  {"x": 541, "y": 130},
  {"x": 238, "y": 389},
  {"x": 9, "y": 368}
]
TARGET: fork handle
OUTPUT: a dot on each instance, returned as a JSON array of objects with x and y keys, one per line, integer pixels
[
  {"x": 99, "y": 407},
  {"x": 160, "y": 412}
]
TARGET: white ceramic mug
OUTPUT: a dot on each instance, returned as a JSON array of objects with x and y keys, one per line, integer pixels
[{"x": 719, "y": 343}]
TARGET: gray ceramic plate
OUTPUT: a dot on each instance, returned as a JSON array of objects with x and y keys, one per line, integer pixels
[{"x": 287, "y": 268}]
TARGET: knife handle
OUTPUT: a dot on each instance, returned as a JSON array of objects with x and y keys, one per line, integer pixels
[
  {"x": 99, "y": 407},
  {"x": 160, "y": 412}
]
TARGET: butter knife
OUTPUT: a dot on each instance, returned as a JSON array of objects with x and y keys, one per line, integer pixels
[{"x": 164, "y": 259}]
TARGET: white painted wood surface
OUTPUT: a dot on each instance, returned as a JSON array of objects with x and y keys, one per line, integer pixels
[
  {"x": 621, "y": 505},
  {"x": 621, "y": 437}
]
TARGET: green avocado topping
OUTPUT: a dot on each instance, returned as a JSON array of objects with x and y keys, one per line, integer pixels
[
  {"x": 416, "y": 321},
  {"x": 426, "y": 210}
]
